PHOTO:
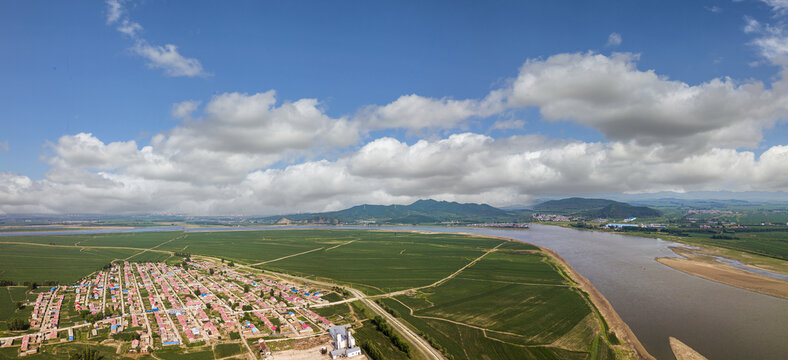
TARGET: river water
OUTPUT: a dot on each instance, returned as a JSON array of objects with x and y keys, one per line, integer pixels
[{"x": 719, "y": 321}]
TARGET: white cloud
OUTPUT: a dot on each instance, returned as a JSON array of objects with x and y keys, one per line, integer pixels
[
  {"x": 416, "y": 112},
  {"x": 129, "y": 28},
  {"x": 114, "y": 10},
  {"x": 168, "y": 59},
  {"x": 779, "y": 7},
  {"x": 235, "y": 134},
  {"x": 614, "y": 39},
  {"x": 252, "y": 154},
  {"x": 165, "y": 57},
  {"x": 508, "y": 124},
  {"x": 612, "y": 96},
  {"x": 184, "y": 109},
  {"x": 462, "y": 167},
  {"x": 3, "y": 146}
]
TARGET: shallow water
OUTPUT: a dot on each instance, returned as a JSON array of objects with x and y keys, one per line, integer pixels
[{"x": 717, "y": 320}]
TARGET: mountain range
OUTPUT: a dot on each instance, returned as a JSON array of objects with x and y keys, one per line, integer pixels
[{"x": 433, "y": 211}]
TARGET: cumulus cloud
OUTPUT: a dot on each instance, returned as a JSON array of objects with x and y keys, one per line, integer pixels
[
  {"x": 235, "y": 134},
  {"x": 614, "y": 39},
  {"x": 610, "y": 94},
  {"x": 166, "y": 57},
  {"x": 240, "y": 153},
  {"x": 461, "y": 167},
  {"x": 416, "y": 112}
]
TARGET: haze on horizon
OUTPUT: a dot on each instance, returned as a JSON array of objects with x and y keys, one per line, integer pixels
[{"x": 268, "y": 108}]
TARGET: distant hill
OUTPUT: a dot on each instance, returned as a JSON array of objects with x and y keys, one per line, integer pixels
[
  {"x": 574, "y": 204},
  {"x": 419, "y": 212},
  {"x": 595, "y": 208}
]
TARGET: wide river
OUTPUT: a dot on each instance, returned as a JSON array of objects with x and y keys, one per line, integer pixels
[{"x": 717, "y": 320}]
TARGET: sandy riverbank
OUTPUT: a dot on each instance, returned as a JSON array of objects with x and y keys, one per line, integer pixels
[
  {"x": 706, "y": 267},
  {"x": 684, "y": 352}
]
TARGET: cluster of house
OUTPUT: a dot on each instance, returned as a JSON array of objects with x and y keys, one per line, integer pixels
[
  {"x": 172, "y": 306},
  {"x": 46, "y": 318},
  {"x": 554, "y": 217},
  {"x": 515, "y": 225},
  {"x": 710, "y": 211}
]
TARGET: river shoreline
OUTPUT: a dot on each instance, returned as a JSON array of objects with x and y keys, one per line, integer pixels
[{"x": 614, "y": 321}]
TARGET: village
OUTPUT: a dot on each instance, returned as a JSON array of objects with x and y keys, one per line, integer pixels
[{"x": 147, "y": 307}]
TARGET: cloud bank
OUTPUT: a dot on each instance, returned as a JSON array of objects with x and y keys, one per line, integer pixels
[{"x": 239, "y": 153}]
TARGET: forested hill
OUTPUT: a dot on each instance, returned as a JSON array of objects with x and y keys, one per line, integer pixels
[
  {"x": 421, "y": 211},
  {"x": 595, "y": 208}
]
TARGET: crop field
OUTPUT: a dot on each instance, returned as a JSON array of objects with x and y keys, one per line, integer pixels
[
  {"x": 766, "y": 243},
  {"x": 9, "y": 295},
  {"x": 539, "y": 313},
  {"x": 225, "y": 350},
  {"x": 255, "y": 246},
  {"x": 62, "y": 351},
  {"x": 7, "y": 304},
  {"x": 515, "y": 267},
  {"x": 379, "y": 262},
  {"x": 44, "y": 263},
  {"x": 514, "y": 302},
  {"x": 136, "y": 240},
  {"x": 464, "y": 342}
]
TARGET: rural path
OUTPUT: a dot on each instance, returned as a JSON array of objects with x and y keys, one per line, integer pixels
[
  {"x": 412, "y": 313},
  {"x": 447, "y": 278},
  {"x": 421, "y": 345},
  {"x": 343, "y": 244},
  {"x": 288, "y": 256},
  {"x": 154, "y": 247}
]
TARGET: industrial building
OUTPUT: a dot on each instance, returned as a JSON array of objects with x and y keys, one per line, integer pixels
[{"x": 344, "y": 343}]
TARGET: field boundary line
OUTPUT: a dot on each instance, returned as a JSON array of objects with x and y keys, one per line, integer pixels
[
  {"x": 288, "y": 256},
  {"x": 336, "y": 246},
  {"x": 455, "y": 322},
  {"x": 152, "y": 248}
]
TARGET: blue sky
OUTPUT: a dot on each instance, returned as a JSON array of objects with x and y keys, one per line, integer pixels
[{"x": 66, "y": 69}]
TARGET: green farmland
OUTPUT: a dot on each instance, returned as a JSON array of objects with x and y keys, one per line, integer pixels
[
  {"x": 472, "y": 297},
  {"x": 511, "y": 304},
  {"x": 65, "y": 265}
]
